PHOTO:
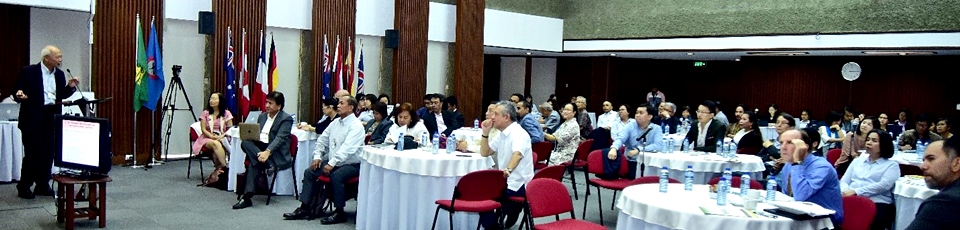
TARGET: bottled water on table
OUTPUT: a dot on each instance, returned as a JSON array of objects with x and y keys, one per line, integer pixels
[
  {"x": 744, "y": 184},
  {"x": 733, "y": 149},
  {"x": 772, "y": 189},
  {"x": 670, "y": 145},
  {"x": 400, "y": 142},
  {"x": 728, "y": 175},
  {"x": 686, "y": 146},
  {"x": 722, "y": 192},
  {"x": 424, "y": 139},
  {"x": 720, "y": 147},
  {"x": 436, "y": 143},
  {"x": 664, "y": 175},
  {"x": 451, "y": 143},
  {"x": 476, "y": 123},
  {"x": 663, "y": 145},
  {"x": 688, "y": 178},
  {"x": 921, "y": 147}
]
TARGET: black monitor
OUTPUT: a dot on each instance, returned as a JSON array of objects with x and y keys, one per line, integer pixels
[{"x": 82, "y": 143}]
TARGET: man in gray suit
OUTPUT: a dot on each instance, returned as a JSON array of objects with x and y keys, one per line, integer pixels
[{"x": 273, "y": 148}]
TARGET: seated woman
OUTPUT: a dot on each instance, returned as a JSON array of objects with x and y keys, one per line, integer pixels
[
  {"x": 748, "y": 139},
  {"x": 853, "y": 143},
  {"x": 884, "y": 121},
  {"x": 685, "y": 116},
  {"x": 805, "y": 120},
  {"x": 214, "y": 122},
  {"x": 378, "y": 128},
  {"x": 567, "y": 136},
  {"x": 329, "y": 107},
  {"x": 734, "y": 129},
  {"x": 831, "y": 136},
  {"x": 773, "y": 111},
  {"x": 873, "y": 175},
  {"x": 407, "y": 122},
  {"x": 943, "y": 128}
]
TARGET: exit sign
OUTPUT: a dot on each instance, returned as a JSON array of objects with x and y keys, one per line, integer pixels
[{"x": 699, "y": 64}]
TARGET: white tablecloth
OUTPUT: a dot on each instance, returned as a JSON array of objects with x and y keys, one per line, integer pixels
[
  {"x": 471, "y": 136},
  {"x": 769, "y": 133},
  {"x": 908, "y": 194},
  {"x": 705, "y": 166},
  {"x": 907, "y": 158},
  {"x": 11, "y": 151},
  {"x": 644, "y": 207},
  {"x": 398, "y": 189},
  {"x": 306, "y": 144}
]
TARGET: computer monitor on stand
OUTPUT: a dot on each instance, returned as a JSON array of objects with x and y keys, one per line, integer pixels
[{"x": 82, "y": 144}]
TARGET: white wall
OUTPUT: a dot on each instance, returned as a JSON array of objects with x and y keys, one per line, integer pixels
[
  {"x": 73, "y": 5},
  {"x": 543, "y": 78},
  {"x": 183, "y": 46},
  {"x": 68, "y": 31},
  {"x": 438, "y": 66},
  {"x": 372, "y": 47},
  {"x": 512, "y": 70},
  {"x": 292, "y": 14},
  {"x": 288, "y": 64},
  {"x": 185, "y": 9}
]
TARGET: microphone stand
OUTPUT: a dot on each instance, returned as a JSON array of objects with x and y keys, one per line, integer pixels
[{"x": 642, "y": 155}]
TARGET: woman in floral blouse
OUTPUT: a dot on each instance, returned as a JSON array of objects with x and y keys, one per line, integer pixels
[{"x": 567, "y": 136}]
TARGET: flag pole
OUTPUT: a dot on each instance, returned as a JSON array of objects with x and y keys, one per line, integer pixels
[
  {"x": 153, "y": 121},
  {"x": 135, "y": 112}
]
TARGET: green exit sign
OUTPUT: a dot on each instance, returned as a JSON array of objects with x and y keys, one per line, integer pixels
[{"x": 699, "y": 64}]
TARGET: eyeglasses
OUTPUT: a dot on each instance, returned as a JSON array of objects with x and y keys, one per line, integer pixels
[{"x": 702, "y": 112}]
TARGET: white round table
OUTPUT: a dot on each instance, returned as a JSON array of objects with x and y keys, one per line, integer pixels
[
  {"x": 907, "y": 158},
  {"x": 769, "y": 133},
  {"x": 397, "y": 189},
  {"x": 705, "y": 165},
  {"x": 306, "y": 143},
  {"x": 11, "y": 151},
  {"x": 471, "y": 136},
  {"x": 908, "y": 193},
  {"x": 644, "y": 207}
]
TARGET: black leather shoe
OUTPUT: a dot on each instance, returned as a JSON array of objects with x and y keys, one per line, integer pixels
[
  {"x": 298, "y": 214},
  {"x": 336, "y": 218},
  {"x": 511, "y": 219},
  {"x": 25, "y": 194},
  {"x": 243, "y": 203},
  {"x": 43, "y": 192}
]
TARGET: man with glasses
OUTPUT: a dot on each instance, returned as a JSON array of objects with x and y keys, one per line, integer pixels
[
  {"x": 666, "y": 118},
  {"x": 708, "y": 131},
  {"x": 438, "y": 119}
]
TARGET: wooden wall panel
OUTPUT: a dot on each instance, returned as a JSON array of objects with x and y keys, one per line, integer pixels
[
  {"x": 331, "y": 18},
  {"x": 114, "y": 57},
  {"x": 15, "y": 45},
  {"x": 410, "y": 57},
  {"x": 238, "y": 15},
  {"x": 468, "y": 59}
]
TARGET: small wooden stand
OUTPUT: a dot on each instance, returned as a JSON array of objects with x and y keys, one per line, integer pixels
[{"x": 97, "y": 198}]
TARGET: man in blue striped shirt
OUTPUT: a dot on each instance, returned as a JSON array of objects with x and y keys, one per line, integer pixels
[{"x": 809, "y": 177}]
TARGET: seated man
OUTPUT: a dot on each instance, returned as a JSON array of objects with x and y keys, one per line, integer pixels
[
  {"x": 273, "y": 148},
  {"x": 452, "y": 104},
  {"x": 635, "y": 138},
  {"x": 921, "y": 133},
  {"x": 551, "y": 121},
  {"x": 329, "y": 108},
  {"x": 809, "y": 177},
  {"x": 438, "y": 119},
  {"x": 586, "y": 126},
  {"x": 941, "y": 168},
  {"x": 708, "y": 131},
  {"x": 666, "y": 119},
  {"x": 528, "y": 122},
  {"x": 340, "y": 145},
  {"x": 514, "y": 154}
]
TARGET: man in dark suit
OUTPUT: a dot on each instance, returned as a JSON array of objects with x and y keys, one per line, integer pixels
[
  {"x": 713, "y": 130},
  {"x": 273, "y": 148},
  {"x": 452, "y": 104},
  {"x": 445, "y": 124},
  {"x": 39, "y": 89}
]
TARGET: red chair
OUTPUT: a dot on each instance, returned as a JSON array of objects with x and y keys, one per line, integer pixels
[
  {"x": 204, "y": 153},
  {"x": 833, "y": 155},
  {"x": 554, "y": 172},
  {"x": 550, "y": 198},
  {"x": 652, "y": 180},
  {"x": 475, "y": 192},
  {"x": 595, "y": 166},
  {"x": 910, "y": 170},
  {"x": 579, "y": 161},
  {"x": 544, "y": 150},
  {"x": 328, "y": 203},
  {"x": 858, "y": 213},
  {"x": 293, "y": 170},
  {"x": 735, "y": 182}
]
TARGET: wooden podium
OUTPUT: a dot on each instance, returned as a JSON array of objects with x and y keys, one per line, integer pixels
[{"x": 97, "y": 198}]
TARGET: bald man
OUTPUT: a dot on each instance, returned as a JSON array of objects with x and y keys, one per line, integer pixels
[
  {"x": 809, "y": 177},
  {"x": 39, "y": 89},
  {"x": 941, "y": 170}
]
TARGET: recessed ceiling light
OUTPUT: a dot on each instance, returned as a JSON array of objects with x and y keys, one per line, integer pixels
[
  {"x": 736, "y": 59},
  {"x": 528, "y": 53},
  {"x": 614, "y": 55},
  {"x": 769, "y": 53},
  {"x": 901, "y": 53},
  {"x": 689, "y": 54}
]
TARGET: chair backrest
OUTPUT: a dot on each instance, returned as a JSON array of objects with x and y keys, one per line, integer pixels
[
  {"x": 293, "y": 146},
  {"x": 595, "y": 163},
  {"x": 910, "y": 170},
  {"x": 193, "y": 132},
  {"x": 480, "y": 185},
  {"x": 544, "y": 148},
  {"x": 833, "y": 155},
  {"x": 553, "y": 172},
  {"x": 583, "y": 150},
  {"x": 735, "y": 182},
  {"x": 858, "y": 213},
  {"x": 652, "y": 180},
  {"x": 548, "y": 197}
]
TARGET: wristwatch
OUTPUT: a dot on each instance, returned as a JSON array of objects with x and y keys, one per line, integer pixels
[{"x": 509, "y": 170}]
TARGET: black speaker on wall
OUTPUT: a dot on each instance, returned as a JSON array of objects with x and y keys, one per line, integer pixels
[
  {"x": 206, "y": 23},
  {"x": 391, "y": 39}
]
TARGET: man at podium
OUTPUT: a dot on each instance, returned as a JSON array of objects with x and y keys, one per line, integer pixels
[{"x": 38, "y": 89}]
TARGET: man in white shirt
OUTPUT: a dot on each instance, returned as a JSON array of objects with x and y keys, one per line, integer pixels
[
  {"x": 272, "y": 150},
  {"x": 608, "y": 118},
  {"x": 514, "y": 154},
  {"x": 335, "y": 156}
]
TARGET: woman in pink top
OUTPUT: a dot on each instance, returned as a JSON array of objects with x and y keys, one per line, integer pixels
[{"x": 214, "y": 123}]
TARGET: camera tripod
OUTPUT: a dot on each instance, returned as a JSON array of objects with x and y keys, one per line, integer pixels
[{"x": 170, "y": 108}]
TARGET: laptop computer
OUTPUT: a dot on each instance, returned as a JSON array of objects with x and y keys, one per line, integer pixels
[
  {"x": 9, "y": 111},
  {"x": 249, "y": 131},
  {"x": 252, "y": 117}
]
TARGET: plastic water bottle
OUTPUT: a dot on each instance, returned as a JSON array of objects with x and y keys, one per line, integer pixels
[
  {"x": 722, "y": 193},
  {"x": 663, "y": 145},
  {"x": 424, "y": 139},
  {"x": 436, "y": 143},
  {"x": 728, "y": 175},
  {"x": 921, "y": 147},
  {"x": 720, "y": 147},
  {"x": 688, "y": 178},
  {"x": 733, "y": 149},
  {"x": 670, "y": 145},
  {"x": 686, "y": 146},
  {"x": 664, "y": 175},
  {"x": 451, "y": 143},
  {"x": 771, "y": 188},
  {"x": 744, "y": 184},
  {"x": 476, "y": 123},
  {"x": 400, "y": 142}
]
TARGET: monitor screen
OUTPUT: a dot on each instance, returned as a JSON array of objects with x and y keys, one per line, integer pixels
[{"x": 82, "y": 143}]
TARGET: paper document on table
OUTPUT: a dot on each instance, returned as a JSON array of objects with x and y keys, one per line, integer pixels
[
  {"x": 802, "y": 208},
  {"x": 726, "y": 211}
]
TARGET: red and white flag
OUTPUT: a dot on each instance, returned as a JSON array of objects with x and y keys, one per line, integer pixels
[
  {"x": 260, "y": 87},
  {"x": 244, "y": 82}
]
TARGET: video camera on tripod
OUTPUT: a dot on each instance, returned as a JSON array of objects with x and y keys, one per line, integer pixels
[{"x": 176, "y": 70}]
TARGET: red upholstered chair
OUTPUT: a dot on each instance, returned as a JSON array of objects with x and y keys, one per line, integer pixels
[
  {"x": 543, "y": 149},
  {"x": 735, "y": 182},
  {"x": 595, "y": 166},
  {"x": 550, "y": 198},
  {"x": 833, "y": 155},
  {"x": 293, "y": 170},
  {"x": 579, "y": 161},
  {"x": 910, "y": 170},
  {"x": 475, "y": 192},
  {"x": 205, "y": 153},
  {"x": 858, "y": 213},
  {"x": 328, "y": 203},
  {"x": 554, "y": 172},
  {"x": 652, "y": 180}
]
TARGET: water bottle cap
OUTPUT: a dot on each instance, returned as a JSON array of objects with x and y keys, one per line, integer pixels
[
  {"x": 728, "y": 169},
  {"x": 689, "y": 166},
  {"x": 664, "y": 167}
]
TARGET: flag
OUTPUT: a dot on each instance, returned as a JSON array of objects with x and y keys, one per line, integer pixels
[
  {"x": 326, "y": 68},
  {"x": 360, "y": 71},
  {"x": 155, "y": 69},
  {"x": 337, "y": 84},
  {"x": 244, "y": 80},
  {"x": 260, "y": 87},
  {"x": 231, "y": 92},
  {"x": 274, "y": 75},
  {"x": 140, "y": 92},
  {"x": 348, "y": 68}
]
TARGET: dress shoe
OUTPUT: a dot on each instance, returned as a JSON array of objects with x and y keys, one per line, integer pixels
[
  {"x": 336, "y": 218},
  {"x": 25, "y": 194},
  {"x": 43, "y": 192},
  {"x": 243, "y": 203},
  {"x": 300, "y": 213}
]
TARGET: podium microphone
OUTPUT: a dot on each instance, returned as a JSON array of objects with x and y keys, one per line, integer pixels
[{"x": 78, "y": 87}]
